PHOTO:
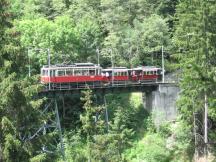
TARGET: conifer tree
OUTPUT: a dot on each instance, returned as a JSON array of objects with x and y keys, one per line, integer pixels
[
  {"x": 19, "y": 113},
  {"x": 92, "y": 123},
  {"x": 195, "y": 37}
]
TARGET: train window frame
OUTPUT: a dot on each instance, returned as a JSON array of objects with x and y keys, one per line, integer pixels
[
  {"x": 145, "y": 72},
  {"x": 77, "y": 72},
  {"x": 69, "y": 74},
  {"x": 44, "y": 72},
  {"x": 61, "y": 72},
  {"x": 85, "y": 72},
  {"x": 52, "y": 73},
  {"x": 47, "y": 73},
  {"x": 99, "y": 71},
  {"x": 92, "y": 72}
]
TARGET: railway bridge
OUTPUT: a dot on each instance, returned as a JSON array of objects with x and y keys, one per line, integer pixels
[{"x": 157, "y": 96}]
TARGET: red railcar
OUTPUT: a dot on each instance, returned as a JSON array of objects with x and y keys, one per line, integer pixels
[
  {"x": 117, "y": 74},
  {"x": 82, "y": 74},
  {"x": 79, "y": 72},
  {"x": 146, "y": 73}
]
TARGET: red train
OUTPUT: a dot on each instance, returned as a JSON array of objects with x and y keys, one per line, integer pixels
[{"x": 79, "y": 74}]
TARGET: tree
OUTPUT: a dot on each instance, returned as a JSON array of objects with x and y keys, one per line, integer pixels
[
  {"x": 59, "y": 36},
  {"x": 19, "y": 112},
  {"x": 139, "y": 44},
  {"x": 196, "y": 38},
  {"x": 49, "y": 8},
  {"x": 91, "y": 121}
]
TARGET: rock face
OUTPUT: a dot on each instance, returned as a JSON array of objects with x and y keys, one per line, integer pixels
[{"x": 162, "y": 103}]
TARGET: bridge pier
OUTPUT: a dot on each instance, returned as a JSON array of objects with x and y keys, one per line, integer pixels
[{"x": 162, "y": 103}]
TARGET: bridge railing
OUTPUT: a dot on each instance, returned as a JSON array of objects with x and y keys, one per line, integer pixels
[{"x": 95, "y": 85}]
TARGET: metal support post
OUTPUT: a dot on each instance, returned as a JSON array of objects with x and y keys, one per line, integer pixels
[
  {"x": 106, "y": 114},
  {"x": 162, "y": 49},
  {"x": 98, "y": 56},
  {"x": 59, "y": 129},
  {"x": 112, "y": 66},
  {"x": 206, "y": 128},
  {"x": 29, "y": 68},
  {"x": 48, "y": 52},
  {"x": 195, "y": 138}
]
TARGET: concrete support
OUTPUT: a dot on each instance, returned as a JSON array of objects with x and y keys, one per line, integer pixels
[{"x": 162, "y": 103}]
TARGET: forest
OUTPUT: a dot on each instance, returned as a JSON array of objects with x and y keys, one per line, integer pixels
[{"x": 133, "y": 33}]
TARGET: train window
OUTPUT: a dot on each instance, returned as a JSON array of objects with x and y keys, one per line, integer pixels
[
  {"x": 52, "y": 73},
  {"x": 44, "y": 73},
  {"x": 149, "y": 72},
  {"x": 99, "y": 72},
  {"x": 77, "y": 72},
  {"x": 92, "y": 71},
  {"x": 155, "y": 72},
  {"x": 85, "y": 72},
  {"x": 69, "y": 72},
  {"x": 145, "y": 73},
  {"x": 61, "y": 72}
]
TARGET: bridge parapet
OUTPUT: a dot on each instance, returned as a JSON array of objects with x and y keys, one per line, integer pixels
[{"x": 125, "y": 88}]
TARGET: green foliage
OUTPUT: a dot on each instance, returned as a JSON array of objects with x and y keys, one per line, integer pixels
[
  {"x": 75, "y": 148},
  {"x": 132, "y": 33},
  {"x": 91, "y": 119},
  {"x": 151, "y": 149},
  {"x": 196, "y": 38},
  {"x": 49, "y": 8},
  {"x": 171, "y": 142},
  {"x": 38, "y": 158},
  {"x": 59, "y": 36},
  {"x": 140, "y": 44},
  {"x": 179, "y": 143},
  {"x": 89, "y": 35},
  {"x": 19, "y": 113},
  {"x": 100, "y": 144},
  {"x": 107, "y": 147}
]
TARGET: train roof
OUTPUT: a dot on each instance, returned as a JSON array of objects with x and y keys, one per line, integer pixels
[
  {"x": 146, "y": 68},
  {"x": 116, "y": 69},
  {"x": 84, "y": 64},
  {"x": 75, "y": 65}
]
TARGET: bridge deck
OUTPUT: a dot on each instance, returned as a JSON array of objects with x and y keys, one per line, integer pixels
[{"x": 111, "y": 88}]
